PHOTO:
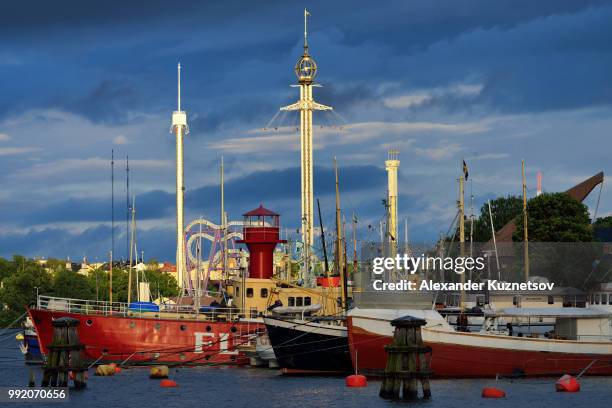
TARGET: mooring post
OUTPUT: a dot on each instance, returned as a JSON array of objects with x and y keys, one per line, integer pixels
[
  {"x": 64, "y": 355},
  {"x": 406, "y": 362}
]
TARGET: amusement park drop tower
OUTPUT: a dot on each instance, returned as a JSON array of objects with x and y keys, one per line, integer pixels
[{"x": 306, "y": 70}]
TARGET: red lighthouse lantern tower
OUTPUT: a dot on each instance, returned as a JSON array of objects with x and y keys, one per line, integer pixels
[{"x": 261, "y": 235}]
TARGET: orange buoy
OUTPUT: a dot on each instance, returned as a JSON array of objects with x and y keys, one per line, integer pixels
[
  {"x": 492, "y": 392},
  {"x": 166, "y": 383},
  {"x": 117, "y": 369},
  {"x": 356, "y": 381},
  {"x": 567, "y": 383}
]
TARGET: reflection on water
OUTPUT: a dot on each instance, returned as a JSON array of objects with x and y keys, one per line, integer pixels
[{"x": 229, "y": 387}]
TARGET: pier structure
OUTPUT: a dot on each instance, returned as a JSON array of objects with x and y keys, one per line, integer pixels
[
  {"x": 306, "y": 70},
  {"x": 180, "y": 129}
]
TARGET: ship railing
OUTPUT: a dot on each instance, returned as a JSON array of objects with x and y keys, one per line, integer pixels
[{"x": 101, "y": 307}]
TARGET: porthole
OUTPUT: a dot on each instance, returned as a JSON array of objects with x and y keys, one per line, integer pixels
[
  {"x": 182, "y": 356},
  {"x": 183, "y": 327},
  {"x": 157, "y": 326},
  {"x": 88, "y": 322},
  {"x": 132, "y": 325},
  {"x": 233, "y": 329},
  {"x": 233, "y": 358},
  {"x": 207, "y": 357},
  {"x": 208, "y": 328}
]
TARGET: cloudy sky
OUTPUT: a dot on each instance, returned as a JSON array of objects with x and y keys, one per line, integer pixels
[{"x": 442, "y": 81}]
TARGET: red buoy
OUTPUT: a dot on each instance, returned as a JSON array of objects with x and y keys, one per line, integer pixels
[
  {"x": 492, "y": 392},
  {"x": 117, "y": 369},
  {"x": 356, "y": 381},
  {"x": 166, "y": 383},
  {"x": 567, "y": 383}
]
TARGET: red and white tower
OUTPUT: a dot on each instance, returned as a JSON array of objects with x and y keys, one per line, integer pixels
[{"x": 261, "y": 235}]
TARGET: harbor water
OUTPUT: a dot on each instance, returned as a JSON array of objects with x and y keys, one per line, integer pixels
[{"x": 258, "y": 387}]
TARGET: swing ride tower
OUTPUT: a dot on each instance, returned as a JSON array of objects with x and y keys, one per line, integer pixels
[{"x": 306, "y": 70}]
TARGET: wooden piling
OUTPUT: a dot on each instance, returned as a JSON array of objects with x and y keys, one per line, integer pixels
[
  {"x": 64, "y": 355},
  {"x": 407, "y": 364}
]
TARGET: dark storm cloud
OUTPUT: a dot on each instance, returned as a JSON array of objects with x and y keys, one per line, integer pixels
[
  {"x": 78, "y": 41},
  {"x": 259, "y": 186}
]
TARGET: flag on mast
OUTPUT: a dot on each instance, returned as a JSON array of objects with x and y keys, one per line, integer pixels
[{"x": 465, "y": 170}]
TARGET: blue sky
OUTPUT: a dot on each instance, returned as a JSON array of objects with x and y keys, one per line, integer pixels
[{"x": 442, "y": 81}]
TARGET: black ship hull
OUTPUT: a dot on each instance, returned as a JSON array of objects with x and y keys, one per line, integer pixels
[{"x": 302, "y": 346}]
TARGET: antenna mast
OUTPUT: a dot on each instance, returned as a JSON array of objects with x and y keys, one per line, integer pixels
[
  {"x": 113, "y": 200},
  {"x": 127, "y": 203}
]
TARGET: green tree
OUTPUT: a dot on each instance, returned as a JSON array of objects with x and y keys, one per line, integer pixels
[
  {"x": 19, "y": 289},
  {"x": 503, "y": 210},
  {"x": 70, "y": 284},
  {"x": 603, "y": 222},
  {"x": 555, "y": 217},
  {"x": 561, "y": 239}
]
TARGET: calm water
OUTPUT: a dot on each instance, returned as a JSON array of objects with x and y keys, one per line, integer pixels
[{"x": 252, "y": 387}]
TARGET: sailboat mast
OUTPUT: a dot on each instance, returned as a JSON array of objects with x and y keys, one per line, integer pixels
[
  {"x": 355, "y": 262},
  {"x": 127, "y": 204},
  {"x": 223, "y": 222},
  {"x": 525, "y": 233},
  {"x": 339, "y": 247},
  {"x": 462, "y": 231},
  {"x": 129, "y": 294},
  {"x": 323, "y": 240}
]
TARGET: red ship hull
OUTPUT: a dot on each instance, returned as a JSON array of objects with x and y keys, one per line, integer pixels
[
  {"x": 464, "y": 361},
  {"x": 143, "y": 340}
]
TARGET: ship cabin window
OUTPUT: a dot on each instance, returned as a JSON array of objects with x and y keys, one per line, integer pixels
[
  {"x": 237, "y": 291},
  {"x": 480, "y": 301},
  {"x": 307, "y": 301},
  {"x": 597, "y": 299},
  {"x": 299, "y": 301},
  {"x": 551, "y": 300},
  {"x": 516, "y": 301},
  {"x": 253, "y": 312},
  {"x": 249, "y": 292},
  {"x": 263, "y": 292},
  {"x": 610, "y": 299},
  {"x": 604, "y": 298},
  {"x": 291, "y": 301}
]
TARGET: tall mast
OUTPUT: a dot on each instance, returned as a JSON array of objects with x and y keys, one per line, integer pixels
[
  {"x": 525, "y": 234},
  {"x": 306, "y": 70},
  {"x": 180, "y": 129},
  {"x": 113, "y": 200},
  {"x": 339, "y": 246},
  {"x": 355, "y": 262},
  {"x": 110, "y": 280},
  {"x": 132, "y": 252},
  {"x": 223, "y": 222},
  {"x": 323, "y": 240},
  {"x": 127, "y": 204},
  {"x": 462, "y": 228}
]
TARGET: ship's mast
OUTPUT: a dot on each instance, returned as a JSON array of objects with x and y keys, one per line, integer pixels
[
  {"x": 461, "y": 205},
  {"x": 340, "y": 257},
  {"x": 223, "y": 224},
  {"x": 306, "y": 70},
  {"x": 525, "y": 234},
  {"x": 180, "y": 129}
]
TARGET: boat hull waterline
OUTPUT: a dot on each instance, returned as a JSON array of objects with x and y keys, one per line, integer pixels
[
  {"x": 148, "y": 341},
  {"x": 464, "y": 355}
]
